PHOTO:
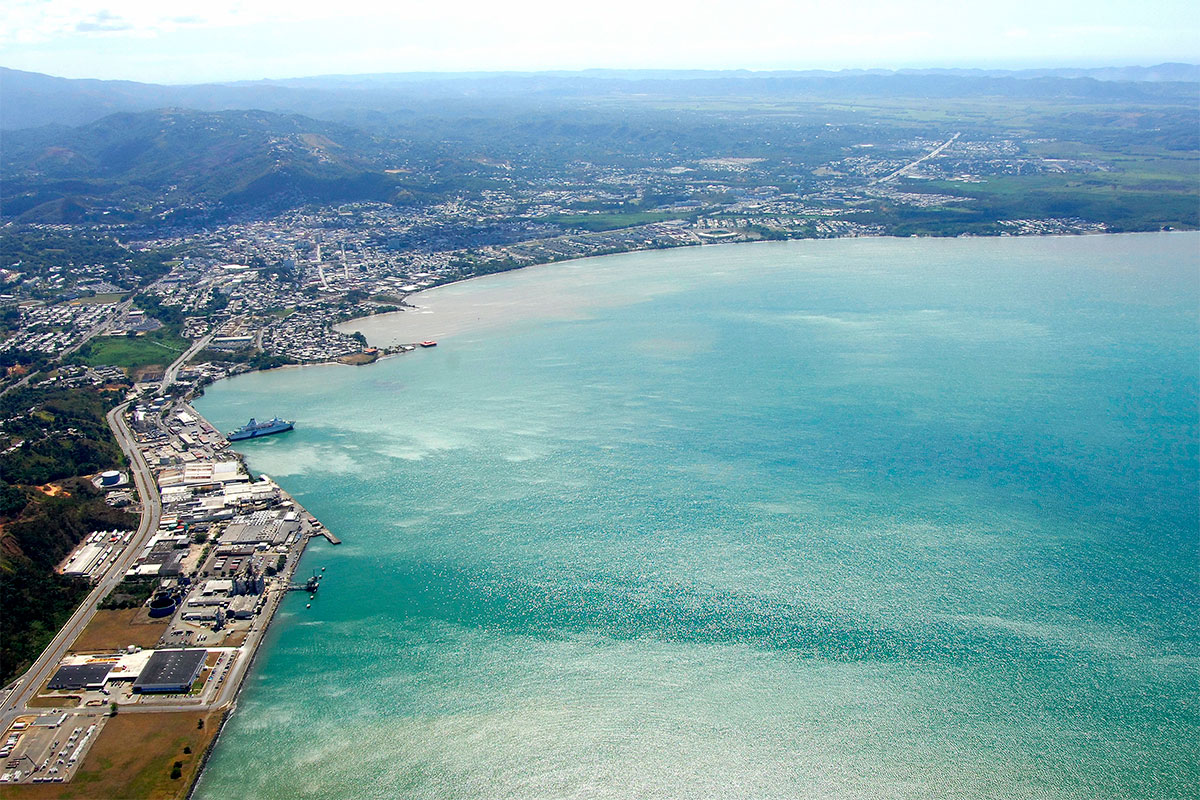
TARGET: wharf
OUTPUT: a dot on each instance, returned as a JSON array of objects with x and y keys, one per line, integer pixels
[
  {"x": 320, "y": 530},
  {"x": 184, "y": 430}
]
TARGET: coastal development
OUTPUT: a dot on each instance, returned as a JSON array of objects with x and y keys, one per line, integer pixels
[
  {"x": 179, "y": 606},
  {"x": 306, "y": 222},
  {"x": 149, "y": 254}
]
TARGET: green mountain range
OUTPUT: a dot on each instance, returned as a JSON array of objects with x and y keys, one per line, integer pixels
[{"x": 170, "y": 161}]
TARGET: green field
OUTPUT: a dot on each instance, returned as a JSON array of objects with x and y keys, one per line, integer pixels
[
  {"x": 612, "y": 222},
  {"x": 133, "y": 352},
  {"x": 99, "y": 299},
  {"x": 1135, "y": 200}
]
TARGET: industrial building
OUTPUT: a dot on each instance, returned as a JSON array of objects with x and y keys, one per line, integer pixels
[
  {"x": 95, "y": 553},
  {"x": 84, "y": 561},
  {"x": 80, "y": 676},
  {"x": 170, "y": 671},
  {"x": 243, "y": 606},
  {"x": 91, "y": 672},
  {"x": 162, "y": 555}
]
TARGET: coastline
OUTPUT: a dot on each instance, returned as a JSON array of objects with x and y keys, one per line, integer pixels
[
  {"x": 284, "y": 577},
  {"x": 213, "y": 701},
  {"x": 253, "y": 659},
  {"x": 722, "y": 243},
  {"x": 411, "y": 307}
]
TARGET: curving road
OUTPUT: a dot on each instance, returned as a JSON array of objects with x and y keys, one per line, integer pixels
[{"x": 172, "y": 372}]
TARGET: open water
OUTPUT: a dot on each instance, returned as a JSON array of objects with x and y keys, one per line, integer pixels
[{"x": 855, "y": 519}]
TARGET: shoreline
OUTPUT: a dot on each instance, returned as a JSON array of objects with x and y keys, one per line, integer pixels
[
  {"x": 239, "y": 731},
  {"x": 221, "y": 697},
  {"x": 410, "y": 307},
  {"x": 719, "y": 243},
  {"x": 284, "y": 578}
]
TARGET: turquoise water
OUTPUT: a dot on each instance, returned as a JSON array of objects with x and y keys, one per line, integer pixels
[{"x": 856, "y": 519}]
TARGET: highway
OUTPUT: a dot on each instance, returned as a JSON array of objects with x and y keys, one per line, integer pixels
[
  {"x": 25, "y": 687},
  {"x": 931, "y": 154},
  {"x": 172, "y": 371}
]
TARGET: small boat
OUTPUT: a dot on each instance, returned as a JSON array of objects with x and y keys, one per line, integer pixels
[{"x": 428, "y": 343}]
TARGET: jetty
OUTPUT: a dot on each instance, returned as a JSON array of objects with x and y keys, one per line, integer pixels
[
  {"x": 320, "y": 530},
  {"x": 310, "y": 586}
]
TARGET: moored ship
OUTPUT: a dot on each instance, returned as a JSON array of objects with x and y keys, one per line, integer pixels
[{"x": 254, "y": 429}]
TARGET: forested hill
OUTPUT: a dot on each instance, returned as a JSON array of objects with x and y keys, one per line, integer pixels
[
  {"x": 535, "y": 150},
  {"x": 46, "y": 508},
  {"x": 177, "y": 158}
]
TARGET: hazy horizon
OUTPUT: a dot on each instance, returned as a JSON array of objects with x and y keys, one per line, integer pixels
[
  {"x": 222, "y": 41},
  {"x": 614, "y": 72}
]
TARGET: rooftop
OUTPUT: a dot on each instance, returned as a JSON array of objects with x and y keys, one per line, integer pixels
[{"x": 170, "y": 668}]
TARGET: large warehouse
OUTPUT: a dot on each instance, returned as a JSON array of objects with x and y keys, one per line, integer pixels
[
  {"x": 80, "y": 676},
  {"x": 171, "y": 671}
]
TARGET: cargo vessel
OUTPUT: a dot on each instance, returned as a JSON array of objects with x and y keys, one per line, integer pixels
[{"x": 253, "y": 429}]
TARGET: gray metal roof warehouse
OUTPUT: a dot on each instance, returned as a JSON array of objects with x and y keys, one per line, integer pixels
[
  {"x": 171, "y": 671},
  {"x": 80, "y": 676}
]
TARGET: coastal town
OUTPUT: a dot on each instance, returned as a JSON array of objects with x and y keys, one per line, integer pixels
[
  {"x": 278, "y": 285},
  {"x": 150, "y": 253},
  {"x": 179, "y": 606}
]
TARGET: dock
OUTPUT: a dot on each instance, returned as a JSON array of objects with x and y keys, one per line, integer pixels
[
  {"x": 310, "y": 586},
  {"x": 320, "y": 530}
]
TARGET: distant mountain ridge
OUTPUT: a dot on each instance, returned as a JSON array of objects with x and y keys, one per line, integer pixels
[
  {"x": 195, "y": 155},
  {"x": 33, "y": 99},
  {"x": 1169, "y": 71}
]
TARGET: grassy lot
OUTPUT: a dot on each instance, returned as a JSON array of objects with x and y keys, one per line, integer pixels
[
  {"x": 134, "y": 352},
  {"x": 236, "y": 640},
  {"x": 358, "y": 359},
  {"x": 1140, "y": 195},
  {"x": 132, "y": 760},
  {"x": 111, "y": 630},
  {"x": 99, "y": 299},
  {"x": 54, "y": 701},
  {"x": 613, "y": 221}
]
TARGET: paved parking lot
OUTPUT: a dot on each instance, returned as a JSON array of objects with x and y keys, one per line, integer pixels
[{"x": 50, "y": 747}]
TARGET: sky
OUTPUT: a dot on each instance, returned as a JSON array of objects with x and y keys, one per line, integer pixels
[{"x": 192, "y": 41}]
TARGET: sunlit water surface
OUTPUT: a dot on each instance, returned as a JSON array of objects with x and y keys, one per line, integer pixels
[{"x": 854, "y": 519}]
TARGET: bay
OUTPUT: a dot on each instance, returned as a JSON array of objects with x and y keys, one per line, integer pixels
[{"x": 858, "y": 518}]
